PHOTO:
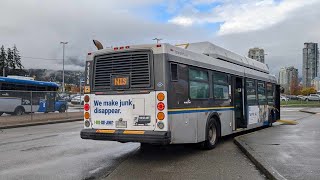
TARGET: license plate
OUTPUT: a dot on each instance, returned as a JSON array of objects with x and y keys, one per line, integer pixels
[{"x": 121, "y": 124}]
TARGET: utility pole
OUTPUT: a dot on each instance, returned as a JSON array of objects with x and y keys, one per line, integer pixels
[
  {"x": 63, "y": 44},
  {"x": 157, "y": 39}
]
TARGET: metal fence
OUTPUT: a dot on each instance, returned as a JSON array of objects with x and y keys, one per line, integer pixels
[{"x": 37, "y": 106}]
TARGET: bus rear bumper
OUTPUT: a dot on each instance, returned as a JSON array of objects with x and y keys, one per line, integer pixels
[{"x": 152, "y": 137}]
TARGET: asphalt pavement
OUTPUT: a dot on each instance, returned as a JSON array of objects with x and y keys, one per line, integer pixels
[
  {"x": 226, "y": 161},
  {"x": 287, "y": 151},
  {"x": 56, "y": 151}
]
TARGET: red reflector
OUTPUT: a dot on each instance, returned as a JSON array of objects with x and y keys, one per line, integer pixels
[
  {"x": 121, "y": 47},
  {"x": 160, "y": 106},
  {"x": 89, "y": 53},
  {"x": 116, "y": 48},
  {"x": 86, "y": 107},
  {"x": 158, "y": 45},
  {"x": 127, "y": 47}
]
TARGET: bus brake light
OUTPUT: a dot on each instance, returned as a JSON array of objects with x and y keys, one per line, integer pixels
[
  {"x": 160, "y": 106},
  {"x": 86, "y": 107}
]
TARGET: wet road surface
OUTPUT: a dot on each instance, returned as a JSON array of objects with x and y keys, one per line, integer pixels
[
  {"x": 56, "y": 151},
  {"x": 226, "y": 161},
  {"x": 291, "y": 150}
]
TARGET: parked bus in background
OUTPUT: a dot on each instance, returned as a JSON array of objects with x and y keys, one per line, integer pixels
[
  {"x": 19, "y": 96},
  {"x": 165, "y": 94}
]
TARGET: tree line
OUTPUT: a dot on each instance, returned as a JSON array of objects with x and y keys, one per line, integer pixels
[{"x": 10, "y": 61}]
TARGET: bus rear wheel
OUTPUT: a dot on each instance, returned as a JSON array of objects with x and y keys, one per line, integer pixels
[
  {"x": 212, "y": 135},
  {"x": 19, "y": 111}
]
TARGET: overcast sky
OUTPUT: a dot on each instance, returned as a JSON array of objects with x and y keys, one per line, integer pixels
[{"x": 37, "y": 27}]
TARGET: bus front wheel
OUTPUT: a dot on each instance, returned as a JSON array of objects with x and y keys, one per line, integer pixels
[
  {"x": 212, "y": 135},
  {"x": 19, "y": 111}
]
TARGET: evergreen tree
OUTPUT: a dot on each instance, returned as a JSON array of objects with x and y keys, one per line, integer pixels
[
  {"x": 3, "y": 60},
  {"x": 10, "y": 62},
  {"x": 17, "y": 58}
]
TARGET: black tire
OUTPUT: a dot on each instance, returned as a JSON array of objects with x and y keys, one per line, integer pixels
[
  {"x": 62, "y": 109},
  {"x": 1, "y": 113},
  {"x": 212, "y": 135},
  {"x": 307, "y": 99},
  {"x": 19, "y": 111}
]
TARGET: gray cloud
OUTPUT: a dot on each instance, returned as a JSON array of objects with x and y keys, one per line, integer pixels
[
  {"x": 38, "y": 26},
  {"x": 282, "y": 42}
]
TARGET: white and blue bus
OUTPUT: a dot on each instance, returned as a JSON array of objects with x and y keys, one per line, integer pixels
[
  {"x": 19, "y": 96},
  {"x": 165, "y": 94}
]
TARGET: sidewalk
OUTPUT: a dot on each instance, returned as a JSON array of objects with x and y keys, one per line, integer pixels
[
  {"x": 38, "y": 119},
  {"x": 311, "y": 110},
  {"x": 286, "y": 151}
]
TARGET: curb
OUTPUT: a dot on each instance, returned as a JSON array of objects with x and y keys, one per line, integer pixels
[
  {"x": 41, "y": 123},
  {"x": 306, "y": 111},
  {"x": 257, "y": 160}
]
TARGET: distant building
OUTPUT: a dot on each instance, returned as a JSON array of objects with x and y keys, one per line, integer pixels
[
  {"x": 316, "y": 83},
  {"x": 288, "y": 79},
  {"x": 310, "y": 64},
  {"x": 257, "y": 54},
  {"x": 283, "y": 76}
]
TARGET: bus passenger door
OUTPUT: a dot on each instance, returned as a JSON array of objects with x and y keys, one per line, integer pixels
[
  {"x": 240, "y": 121},
  {"x": 50, "y": 101}
]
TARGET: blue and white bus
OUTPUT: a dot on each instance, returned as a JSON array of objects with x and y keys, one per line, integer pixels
[{"x": 19, "y": 96}]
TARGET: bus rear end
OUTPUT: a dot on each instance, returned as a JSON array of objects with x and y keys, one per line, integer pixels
[{"x": 122, "y": 102}]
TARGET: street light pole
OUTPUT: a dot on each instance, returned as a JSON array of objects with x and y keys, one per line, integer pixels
[{"x": 63, "y": 44}]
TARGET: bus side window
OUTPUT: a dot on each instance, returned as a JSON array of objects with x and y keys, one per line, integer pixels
[
  {"x": 262, "y": 93},
  {"x": 198, "y": 84},
  {"x": 174, "y": 71},
  {"x": 251, "y": 89},
  {"x": 220, "y": 86}
]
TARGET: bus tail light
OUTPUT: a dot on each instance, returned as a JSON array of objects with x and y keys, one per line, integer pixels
[
  {"x": 86, "y": 98},
  {"x": 160, "y": 106},
  {"x": 160, "y": 97},
  {"x": 86, "y": 115},
  {"x": 86, "y": 107},
  {"x": 160, "y": 116}
]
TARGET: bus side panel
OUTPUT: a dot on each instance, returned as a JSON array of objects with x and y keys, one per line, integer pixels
[
  {"x": 8, "y": 104},
  {"x": 226, "y": 120},
  {"x": 183, "y": 128},
  {"x": 201, "y": 126}
]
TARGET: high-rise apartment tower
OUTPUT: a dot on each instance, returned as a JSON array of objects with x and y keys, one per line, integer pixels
[
  {"x": 310, "y": 64},
  {"x": 257, "y": 54}
]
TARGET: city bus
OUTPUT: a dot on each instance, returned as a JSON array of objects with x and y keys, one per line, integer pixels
[
  {"x": 19, "y": 95},
  {"x": 166, "y": 94}
]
